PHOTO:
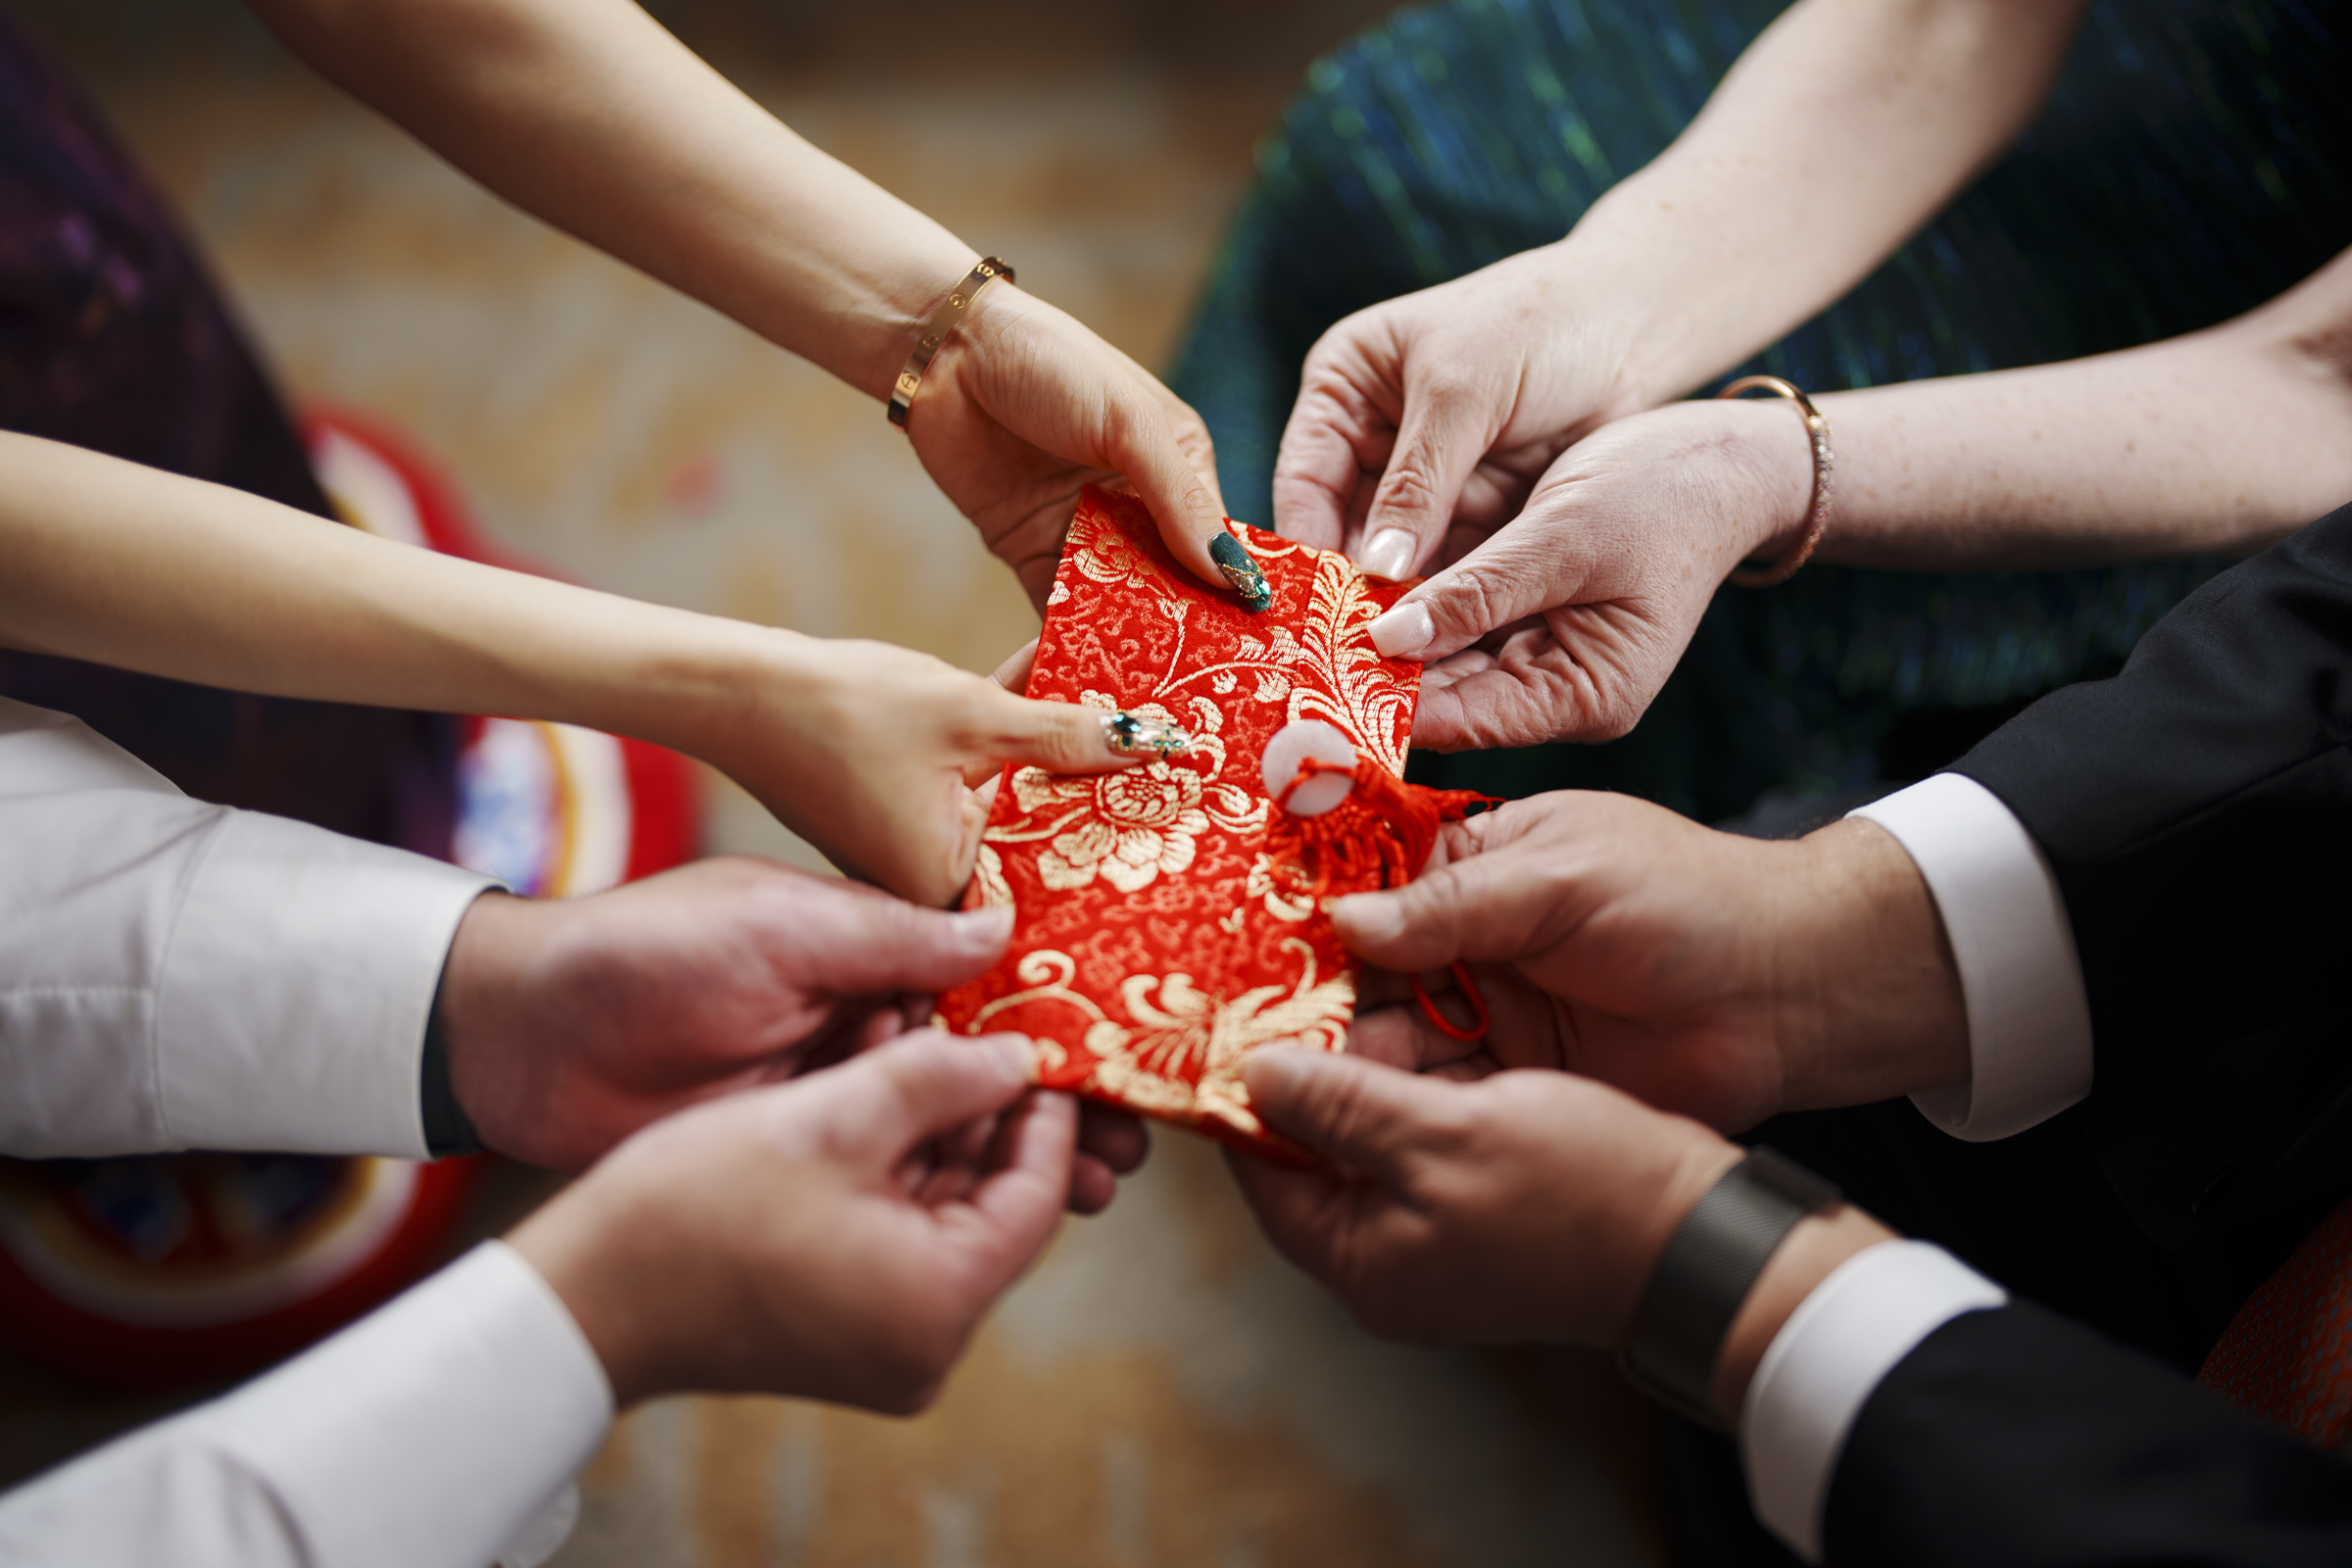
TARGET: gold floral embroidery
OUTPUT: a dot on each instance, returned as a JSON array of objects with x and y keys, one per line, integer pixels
[
  {"x": 1370, "y": 708},
  {"x": 991, "y": 890},
  {"x": 1130, "y": 827},
  {"x": 1144, "y": 1061},
  {"x": 1185, "y": 1049},
  {"x": 1283, "y": 903}
]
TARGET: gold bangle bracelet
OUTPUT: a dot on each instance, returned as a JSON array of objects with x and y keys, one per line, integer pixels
[
  {"x": 1756, "y": 575},
  {"x": 943, "y": 320}
]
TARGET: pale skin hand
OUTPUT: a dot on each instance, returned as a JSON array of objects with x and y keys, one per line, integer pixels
[
  {"x": 588, "y": 114},
  {"x": 1728, "y": 979},
  {"x": 836, "y": 1238},
  {"x": 861, "y": 747},
  {"x": 573, "y": 1023},
  {"x": 1525, "y": 1208},
  {"x": 1564, "y": 624},
  {"x": 1840, "y": 131}
]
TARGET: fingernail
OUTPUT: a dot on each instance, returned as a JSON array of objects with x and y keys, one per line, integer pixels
[
  {"x": 1367, "y": 916},
  {"x": 1015, "y": 1052},
  {"x": 1273, "y": 1071},
  {"x": 1390, "y": 554},
  {"x": 1404, "y": 632},
  {"x": 1241, "y": 573},
  {"x": 1141, "y": 735},
  {"x": 982, "y": 930}
]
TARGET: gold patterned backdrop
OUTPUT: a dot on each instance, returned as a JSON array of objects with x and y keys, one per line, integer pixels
[{"x": 1163, "y": 1391}]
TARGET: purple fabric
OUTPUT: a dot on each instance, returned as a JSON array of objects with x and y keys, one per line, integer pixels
[{"x": 113, "y": 337}]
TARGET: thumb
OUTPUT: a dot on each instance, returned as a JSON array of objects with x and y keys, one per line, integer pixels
[
  {"x": 1515, "y": 573},
  {"x": 1357, "y": 1113},
  {"x": 908, "y": 1091},
  {"x": 1058, "y": 737},
  {"x": 1484, "y": 907},
  {"x": 1142, "y": 445},
  {"x": 862, "y": 942},
  {"x": 1444, "y": 433}
]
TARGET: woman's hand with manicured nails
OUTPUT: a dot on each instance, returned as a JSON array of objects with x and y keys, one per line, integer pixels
[{"x": 1023, "y": 407}]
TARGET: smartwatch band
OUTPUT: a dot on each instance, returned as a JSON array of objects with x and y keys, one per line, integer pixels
[{"x": 1708, "y": 1267}]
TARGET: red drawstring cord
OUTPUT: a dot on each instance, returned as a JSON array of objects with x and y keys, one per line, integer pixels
[
  {"x": 1470, "y": 993},
  {"x": 1383, "y": 831}
]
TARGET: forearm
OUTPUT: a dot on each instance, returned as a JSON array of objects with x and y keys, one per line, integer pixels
[
  {"x": 1840, "y": 131},
  {"x": 121, "y": 564},
  {"x": 2226, "y": 440},
  {"x": 589, "y": 115}
]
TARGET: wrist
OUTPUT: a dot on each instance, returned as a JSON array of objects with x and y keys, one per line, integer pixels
[
  {"x": 890, "y": 309},
  {"x": 1772, "y": 453},
  {"x": 1869, "y": 1006},
  {"x": 573, "y": 1247},
  {"x": 1618, "y": 251},
  {"x": 1806, "y": 1256},
  {"x": 479, "y": 1013}
]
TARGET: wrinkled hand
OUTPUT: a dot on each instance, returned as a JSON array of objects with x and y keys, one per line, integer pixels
[
  {"x": 1432, "y": 414},
  {"x": 1023, "y": 405},
  {"x": 1527, "y": 1208},
  {"x": 1564, "y": 624},
  {"x": 1724, "y": 979},
  {"x": 836, "y": 1238},
  {"x": 573, "y": 1023}
]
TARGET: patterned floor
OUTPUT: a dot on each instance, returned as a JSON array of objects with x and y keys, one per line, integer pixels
[{"x": 1163, "y": 1391}]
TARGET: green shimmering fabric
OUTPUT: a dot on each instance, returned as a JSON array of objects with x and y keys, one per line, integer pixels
[{"x": 2191, "y": 163}]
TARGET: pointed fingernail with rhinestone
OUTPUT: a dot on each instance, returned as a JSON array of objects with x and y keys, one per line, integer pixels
[
  {"x": 1134, "y": 735},
  {"x": 1241, "y": 573}
]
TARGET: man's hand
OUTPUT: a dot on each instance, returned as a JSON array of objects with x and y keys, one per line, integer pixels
[
  {"x": 573, "y": 1023},
  {"x": 1527, "y": 1208},
  {"x": 1563, "y": 625},
  {"x": 1024, "y": 405},
  {"x": 836, "y": 1238},
  {"x": 1725, "y": 978}
]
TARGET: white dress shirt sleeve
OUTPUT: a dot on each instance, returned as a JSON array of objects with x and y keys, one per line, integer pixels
[
  {"x": 2028, "y": 1018},
  {"x": 1839, "y": 1344},
  {"x": 179, "y": 975},
  {"x": 435, "y": 1433}
]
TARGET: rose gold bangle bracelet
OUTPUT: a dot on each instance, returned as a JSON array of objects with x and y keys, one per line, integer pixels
[
  {"x": 1759, "y": 574},
  {"x": 943, "y": 320}
]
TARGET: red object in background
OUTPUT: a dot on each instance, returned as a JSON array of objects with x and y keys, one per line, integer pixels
[
  {"x": 164, "y": 1270},
  {"x": 1155, "y": 940},
  {"x": 175, "y": 1269}
]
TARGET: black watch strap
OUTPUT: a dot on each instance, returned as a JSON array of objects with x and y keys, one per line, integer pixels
[
  {"x": 447, "y": 1130},
  {"x": 1709, "y": 1265}
]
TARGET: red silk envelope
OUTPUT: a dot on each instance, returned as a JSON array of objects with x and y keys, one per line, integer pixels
[{"x": 1155, "y": 941}]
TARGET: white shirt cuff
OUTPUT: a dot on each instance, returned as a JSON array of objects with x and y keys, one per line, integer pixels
[
  {"x": 292, "y": 1005},
  {"x": 2028, "y": 1018},
  {"x": 1828, "y": 1359},
  {"x": 436, "y": 1433}
]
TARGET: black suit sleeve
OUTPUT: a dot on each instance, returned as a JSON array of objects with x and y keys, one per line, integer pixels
[
  {"x": 2197, "y": 808},
  {"x": 2018, "y": 1437}
]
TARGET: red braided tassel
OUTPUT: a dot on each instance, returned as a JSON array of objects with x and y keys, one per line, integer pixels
[{"x": 1381, "y": 835}]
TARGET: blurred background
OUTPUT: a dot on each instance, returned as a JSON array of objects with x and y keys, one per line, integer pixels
[{"x": 1163, "y": 1391}]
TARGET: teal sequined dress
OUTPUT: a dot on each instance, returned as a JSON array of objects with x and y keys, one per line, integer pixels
[{"x": 2188, "y": 165}]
